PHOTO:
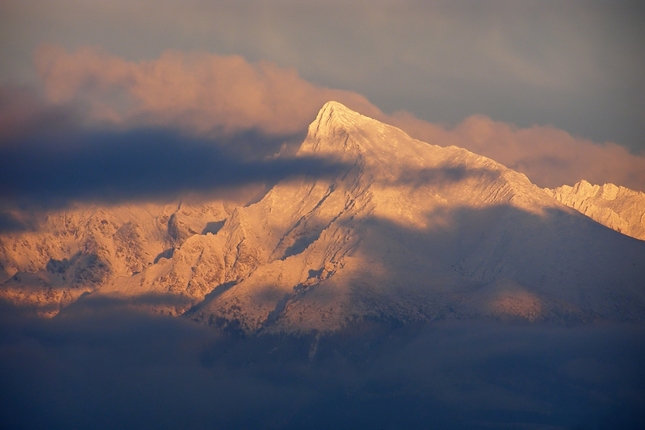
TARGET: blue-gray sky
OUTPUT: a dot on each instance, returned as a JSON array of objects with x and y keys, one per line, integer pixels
[{"x": 568, "y": 65}]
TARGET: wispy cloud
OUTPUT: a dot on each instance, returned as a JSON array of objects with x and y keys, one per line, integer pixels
[
  {"x": 110, "y": 129},
  {"x": 197, "y": 92},
  {"x": 23, "y": 113},
  {"x": 576, "y": 65},
  {"x": 548, "y": 156}
]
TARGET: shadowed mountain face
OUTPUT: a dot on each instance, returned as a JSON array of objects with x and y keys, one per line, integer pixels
[{"x": 405, "y": 231}]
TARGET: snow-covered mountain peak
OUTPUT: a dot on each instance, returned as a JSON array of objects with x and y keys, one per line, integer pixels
[
  {"x": 405, "y": 231},
  {"x": 334, "y": 114},
  {"x": 340, "y": 131}
]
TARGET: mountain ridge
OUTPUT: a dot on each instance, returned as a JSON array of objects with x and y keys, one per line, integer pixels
[
  {"x": 408, "y": 231},
  {"x": 616, "y": 207}
]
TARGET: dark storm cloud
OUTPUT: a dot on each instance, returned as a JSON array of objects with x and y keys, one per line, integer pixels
[
  {"x": 110, "y": 367},
  {"x": 55, "y": 170}
]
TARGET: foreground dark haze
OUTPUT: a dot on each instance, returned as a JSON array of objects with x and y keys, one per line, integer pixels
[{"x": 109, "y": 367}]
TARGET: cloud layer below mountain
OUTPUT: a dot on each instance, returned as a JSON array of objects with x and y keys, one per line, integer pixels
[{"x": 105, "y": 366}]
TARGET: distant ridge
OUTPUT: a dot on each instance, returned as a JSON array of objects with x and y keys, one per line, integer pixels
[{"x": 618, "y": 208}]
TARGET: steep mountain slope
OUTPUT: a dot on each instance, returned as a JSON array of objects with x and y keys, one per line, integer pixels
[
  {"x": 408, "y": 232},
  {"x": 618, "y": 208},
  {"x": 414, "y": 231}
]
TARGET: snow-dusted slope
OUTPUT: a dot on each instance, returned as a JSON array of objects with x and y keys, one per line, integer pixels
[
  {"x": 618, "y": 208},
  {"x": 408, "y": 231},
  {"x": 75, "y": 251}
]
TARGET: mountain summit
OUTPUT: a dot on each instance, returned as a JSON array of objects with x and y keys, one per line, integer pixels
[{"x": 408, "y": 231}]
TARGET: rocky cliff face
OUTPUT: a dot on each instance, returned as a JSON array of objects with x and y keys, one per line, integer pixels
[
  {"x": 618, "y": 208},
  {"x": 407, "y": 232}
]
